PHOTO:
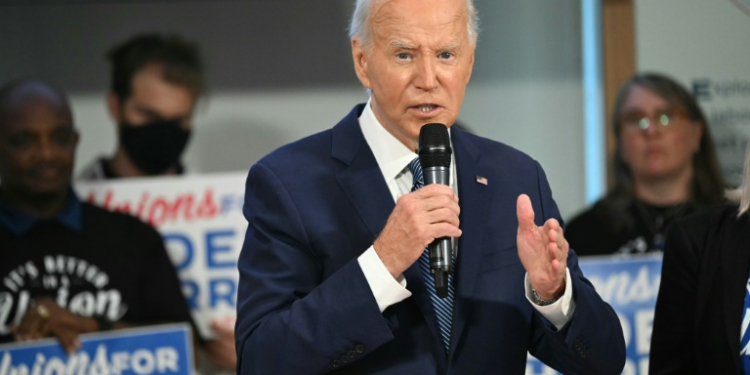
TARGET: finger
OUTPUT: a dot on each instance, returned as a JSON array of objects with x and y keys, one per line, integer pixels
[
  {"x": 554, "y": 231},
  {"x": 20, "y": 330},
  {"x": 68, "y": 339},
  {"x": 45, "y": 328},
  {"x": 552, "y": 224},
  {"x": 441, "y": 230},
  {"x": 221, "y": 330},
  {"x": 443, "y": 215},
  {"x": 555, "y": 265},
  {"x": 438, "y": 202},
  {"x": 35, "y": 332},
  {"x": 564, "y": 247},
  {"x": 552, "y": 234},
  {"x": 560, "y": 240},
  {"x": 28, "y": 329},
  {"x": 553, "y": 252},
  {"x": 435, "y": 189},
  {"x": 525, "y": 213},
  {"x": 556, "y": 235}
]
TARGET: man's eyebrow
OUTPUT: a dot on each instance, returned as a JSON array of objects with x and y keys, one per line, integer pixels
[
  {"x": 452, "y": 46},
  {"x": 400, "y": 45},
  {"x": 403, "y": 45},
  {"x": 147, "y": 111}
]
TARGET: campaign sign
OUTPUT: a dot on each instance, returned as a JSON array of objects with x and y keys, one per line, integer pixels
[
  {"x": 200, "y": 219},
  {"x": 630, "y": 286},
  {"x": 155, "y": 350}
]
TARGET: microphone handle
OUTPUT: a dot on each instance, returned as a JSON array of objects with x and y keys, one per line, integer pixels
[
  {"x": 441, "y": 251},
  {"x": 440, "y": 264}
]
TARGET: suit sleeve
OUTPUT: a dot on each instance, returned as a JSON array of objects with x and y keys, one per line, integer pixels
[
  {"x": 671, "y": 338},
  {"x": 592, "y": 341},
  {"x": 290, "y": 319}
]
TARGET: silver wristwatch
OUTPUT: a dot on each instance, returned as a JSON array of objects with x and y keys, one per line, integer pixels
[{"x": 539, "y": 301}]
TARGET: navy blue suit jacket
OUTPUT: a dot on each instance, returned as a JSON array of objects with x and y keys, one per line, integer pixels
[{"x": 305, "y": 307}]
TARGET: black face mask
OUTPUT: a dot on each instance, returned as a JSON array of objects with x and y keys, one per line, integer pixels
[{"x": 156, "y": 146}]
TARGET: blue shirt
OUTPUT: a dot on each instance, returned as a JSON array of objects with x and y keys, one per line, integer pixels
[{"x": 19, "y": 223}]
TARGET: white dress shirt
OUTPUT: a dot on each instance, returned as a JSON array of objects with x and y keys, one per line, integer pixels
[{"x": 393, "y": 158}]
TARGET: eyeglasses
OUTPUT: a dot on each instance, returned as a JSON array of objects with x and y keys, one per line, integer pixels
[{"x": 632, "y": 122}]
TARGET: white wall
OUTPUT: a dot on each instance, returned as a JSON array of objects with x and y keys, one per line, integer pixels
[{"x": 280, "y": 70}]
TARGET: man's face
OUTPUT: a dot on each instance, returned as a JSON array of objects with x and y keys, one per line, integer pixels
[
  {"x": 418, "y": 64},
  {"x": 37, "y": 148},
  {"x": 153, "y": 99}
]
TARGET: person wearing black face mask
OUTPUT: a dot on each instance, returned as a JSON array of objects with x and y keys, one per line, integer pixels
[
  {"x": 154, "y": 147},
  {"x": 156, "y": 82}
]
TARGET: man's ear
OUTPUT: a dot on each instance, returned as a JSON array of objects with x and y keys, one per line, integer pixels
[
  {"x": 76, "y": 138},
  {"x": 359, "y": 55},
  {"x": 113, "y": 104}
]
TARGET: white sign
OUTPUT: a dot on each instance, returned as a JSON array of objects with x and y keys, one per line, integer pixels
[{"x": 200, "y": 219}]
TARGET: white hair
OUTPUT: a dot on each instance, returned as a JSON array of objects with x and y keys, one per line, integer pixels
[
  {"x": 363, "y": 12},
  {"x": 741, "y": 195}
]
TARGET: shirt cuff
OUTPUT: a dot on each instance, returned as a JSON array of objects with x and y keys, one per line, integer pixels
[
  {"x": 387, "y": 290},
  {"x": 562, "y": 310}
]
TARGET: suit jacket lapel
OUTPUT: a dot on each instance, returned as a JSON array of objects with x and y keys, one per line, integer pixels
[
  {"x": 361, "y": 179},
  {"x": 735, "y": 275},
  {"x": 475, "y": 200},
  {"x": 363, "y": 184}
]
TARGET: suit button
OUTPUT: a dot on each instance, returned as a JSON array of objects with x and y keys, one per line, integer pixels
[
  {"x": 351, "y": 353},
  {"x": 359, "y": 348},
  {"x": 336, "y": 363},
  {"x": 581, "y": 346},
  {"x": 344, "y": 358}
]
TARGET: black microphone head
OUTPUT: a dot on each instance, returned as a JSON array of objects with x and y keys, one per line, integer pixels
[{"x": 434, "y": 146}]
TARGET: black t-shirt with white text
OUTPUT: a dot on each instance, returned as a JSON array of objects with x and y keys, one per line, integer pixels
[{"x": 115, "y": 267}]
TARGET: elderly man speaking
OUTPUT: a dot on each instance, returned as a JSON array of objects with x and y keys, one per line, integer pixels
[{"x": 334, "y": 274}]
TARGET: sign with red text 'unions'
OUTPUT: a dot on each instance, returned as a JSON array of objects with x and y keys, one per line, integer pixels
[
  {"x": 200, "y": 219},
  {"x": 150, "y": 350}
]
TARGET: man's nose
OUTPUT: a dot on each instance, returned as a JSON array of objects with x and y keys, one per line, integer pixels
[
  {"x": 426, "y": 78},
  {"x": 46, "y": 149}
]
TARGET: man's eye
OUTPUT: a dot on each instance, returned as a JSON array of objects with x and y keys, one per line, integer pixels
[
  {"x": 63, "y": 137},
  {"x": 402, "y": 56},
  {"x": 446, "y": 55},
  {"x": 21, "y": 141}
]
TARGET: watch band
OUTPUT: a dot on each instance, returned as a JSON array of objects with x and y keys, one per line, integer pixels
[{"x": 539, "y": 301}]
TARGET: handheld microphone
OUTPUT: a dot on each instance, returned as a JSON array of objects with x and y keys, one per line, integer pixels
[{"x": 435, "y": 158}]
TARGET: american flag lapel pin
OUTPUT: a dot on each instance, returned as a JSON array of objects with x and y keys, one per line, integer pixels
[{"x": 482, "y": 180}]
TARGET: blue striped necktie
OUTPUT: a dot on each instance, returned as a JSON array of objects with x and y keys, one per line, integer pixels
[{"x": 443, "y": 306}]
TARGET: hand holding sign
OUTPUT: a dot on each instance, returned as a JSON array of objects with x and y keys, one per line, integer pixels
[
  {"x": 47, "y": 319},
  {"x": 221, "y": 348}
]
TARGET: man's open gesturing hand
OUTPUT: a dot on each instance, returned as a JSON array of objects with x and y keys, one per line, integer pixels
[{"x": 543, "y": 251}]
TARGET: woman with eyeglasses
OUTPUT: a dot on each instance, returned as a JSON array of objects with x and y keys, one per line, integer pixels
[
  {"x": 665, "y": 165},
  {"x": 702, "y": 316}
]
